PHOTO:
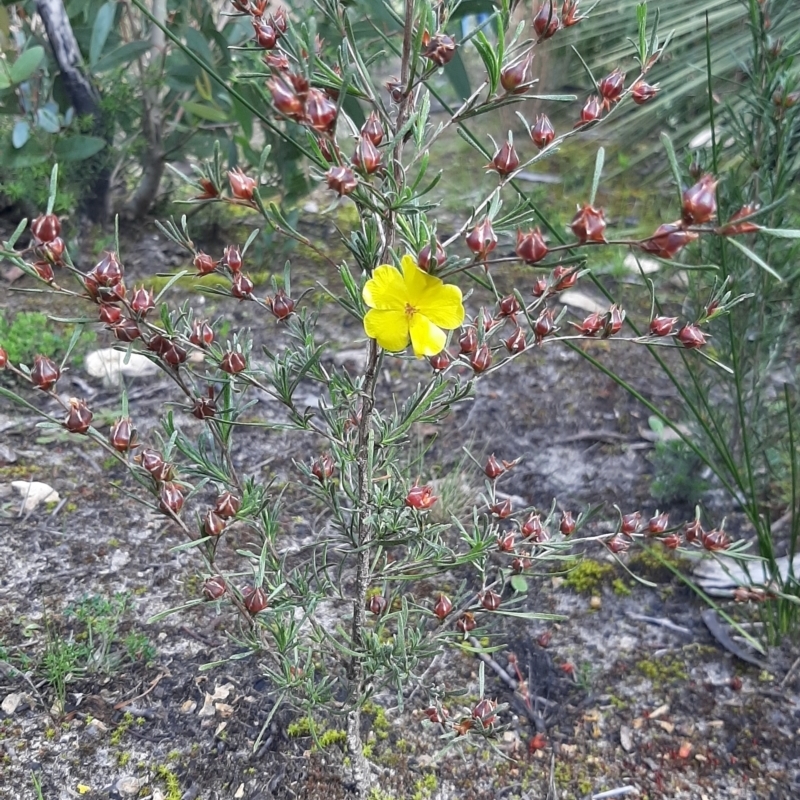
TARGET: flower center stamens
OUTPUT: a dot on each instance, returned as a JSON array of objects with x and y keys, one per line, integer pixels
[{"x": 410, "y": 310}]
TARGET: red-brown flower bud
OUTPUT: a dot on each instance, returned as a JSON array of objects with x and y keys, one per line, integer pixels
[
  {"x": 442, "y": 607},
  {"x": 468, "y": 341},
  {"x": 441, "y": 361},
  {"x": 372, "y": 129},
  {"x": 591, "y": 326},
  {"x": 505, "y": 160},
  {"x": 153, "y": 462},
  {"x": 158, "y": 344},
  {"x": 210, "y": 190},
  {"x": 481, "y": 359},
  {"x": 662, "y": 326},
  {"x": 79, "y": 417},
  {"x": 734, "y": 228},
  {"x": 436, "y": 715},
  {"x": 546, "y": 22},
  {"x": 691, "y": 337},
  {"x": 531, "y": 246},
  {"x": 466, "y": 623},
  {"x": 631, "y": 523},
  {"x": 658, "y": 524},
  {"x": 589, "y": 224},
  {"x": 515, "y": 342},
  {"x": 520, "y": 564},
  {"x": 204, "y": 408},
  {"x": 533, "y": 529},
  {"x": 564, "y": 278},
  {"x": 342, "y": 180},
  {"x": 320, "y": 111},
  {"x": 439, "y": 48},
  {"x": 618, "y": 544},
  {"x": 502, "y": 508},
  {"x": 45, "y": 228},
  {"x": 227, "y": 505},
  {"x": 611, "y": 87},
  {"x": 493, "y": 469},
  {"x": 420, "y": 497},
  {"x": 44, "y": 269},
  {"x": 281, "y": 305},
  {"x": 109, "y": 314},
  {"x": 376, "y": 604},
  {"x": 366, "y": 157},
  {"x": 668, "y": 240},
  {"x": 509, "y": 306},
  {"x": 215, "y": 587},
  {"x": 123, "y": 435},
  {"x": 700, "y": 201},
  {"x": 266, "y": 35},
  {"x": 715, "y": 540},
  {"x": 614, "y": 318},
  {"x": 277, "y": 20},
  {"x": 482, "y": 239},
  {"x": 126, "y": 330},
  {"x": 426, "y": 260},
  {"x": 277, "y": 60},
  {"x": 202, "y": 334},
  {"x": 567, "y": 526},
  {"x": 671, "y": 541},
  {"x": 142, "y": 301},
  {"x": 233, "y": 362},
  {"x": 514, "y": 77},
  {"x": 643, "y": 93},
  {"x": 242, "y": 287},
  {"x": 203, "y": 263},
  {"x": 242, "y": 186},
  {"x": 490, "y": 600},
  {"x": 173, "y": 354},
  {"x": 395, "y": 89},
  {"x": 285, "y": 98},
  {"x": 569, "y": 15},
  {"x": 232, "y": 258},
  {"x": 53, "y": 251},
  {"x": 544, "y": 638},
  {"x": 170, "y": 498},
  {"x": 3, "y": 358},
  {"x": 323, "y": 467},
  {"x": 213, "y": 524},
  {"x": 108, "y": 271},
  {"x": 540, "y": 286},
  {"x": 255, "y": 600},
  {"x": 693, "y": 531},
  {"x": 505, "y": 543},
  {"x": 591, "y": 111},
  {"x": 45, "y": 373},
  {"x": 544, "y": 324},
  {"x": 542, "y": 133}
]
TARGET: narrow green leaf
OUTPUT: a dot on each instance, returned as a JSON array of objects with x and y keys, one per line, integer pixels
[
  {"x": 673, "y": 163},
  {"x": 756, "y": 259},
  {"x": 103, "y": 23},
  {"x": 51, "y": 199},
  {"x": 20, "y": 133},
  {"x": 210, "y": 113},
  {"x": 26, "y": 64},
  {"x": 598, "y": 171},
  {"x": 781, "y": 233},
  {"x": 78, "y": 148},
  {"x": 123, "y": 55}
]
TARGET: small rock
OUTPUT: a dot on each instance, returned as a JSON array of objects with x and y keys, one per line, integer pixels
[
  {"x": 158, "y": 794},
  {"x": 120, "y": 559},
  {"x": 626, "y": 738},
  {"x": 648, "y": 265},
  {"x": 12, "y": 702},
  {"x": 666, "y": 726},
  {"x": 96, "y": 728},
  {"x": 659, "y": 712},
  {"x": 34, "y": 492},
  {"x": 582, "y": 301},
  {"x": 188, "y": 707},
  {"x": 110, "y": 366},
  {"x": 128, "y": 786},
  {"x": 596, "y": 603},
  {"x": 7, "y": 454}
]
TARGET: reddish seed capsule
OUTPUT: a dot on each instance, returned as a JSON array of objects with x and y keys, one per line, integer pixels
[
  {"x": 420, "y": 497},
  {"x": 591, "y": 326},
  {"x": 482, "y": 239},
  {"x": 485, "y": 711},
  {"x": 210, "y": 190},
  {"x": 323, "y": 467},
  {"x": 519, "y": 565},
  {"x": 425, "y": 259},
  {"x": 613, "y": 321},
  {"x": 436, "y": 715},
  {"x": 285, "y": 99},
  {"x": 227, "y": 505},
  {"x": 255, "y": 600},
  {"x": 567, "y": 526},
  {"x": 123, "y": 435},
  {"x": 173, "y": 355},
  {"x": 493, "y": 469},
  {"x": 46, "y": 228},
  {"x": 543, "y": 639},
  {"x": 700, "y": 201},
  {"x": 544, "y": 325},
  {"x": 376, "y": 604},
  {"x": 631, "y": 523},
  {"x": 441, "y": 361},
  {"x": 671, "y": 541},
  {"x": 439, "y": 48},
  {"x": 153, "y": 462},
  {"x": 505, "y": 543},
  {"x": 481, "y": 359},
  {"x": 170, "y": 498},
  {"x": 342, "y": 180},
  {"x": 693, "y": 531},
  {"x": 282, "y": 305},
  {"x": 204, "y": 408},
  {"x": 107, "y": 271},
  {"x": 490, "y": 600},
  {"x": 715, "y": 540},
  {"x": 277, "y": 60},
  {"x": 514, "y": 77},
  {"x": 662, "y": 326},
  {"x": 79, "y": 417},
  {"x": 242, "y": 186},
  {"x": 202, "y": 334},
  {"x": 366, "y": 157},
  {"x": 542, "y": 132},
  {"x": 233, "y": 363},
  {"x": 158, "y": 344},
  {"x": 442, "y": 607},
  {"x": 611, "y": 87},
  {"x": 45, "y": 373},
  {"x": 109, "y": 314},
  {"x": 501, "y": 509},
  {"x": 531, "y": 247},
  {"x": 564, "y": 278},
  {"x": 509, "y": 306},
  {"x": 213, "y": 524},
  {"x": 691, "y": 337},
  {"x": 546, "y": 23},
  {"x": 466, "y": 622},
  {"x": 589, "y": 224},
  {"x": 204, "y": 264},
  {"x": 658, "y": 524},
  {"x": 242, "y": 287},
  {"x": 142, "y": 301},
  {"x": 643, "y": 93},
  {"x": 591, "y": 111},
  {"x": 214, "y": 588},
  {"x": 468, "y": 341},
  {"x": 3, "y": 358},
  {"x": 618, "y": 544},
  {"x": 570, "y": 17},
  {"x": 232, "y": 258},
  {"x": 372, "y": 129},
  {"x": 734, "y": 228},
  {"x": 515, "y": 343},
  {"x": 44, "y": 270},
  {"x": 505, "y": 160},
  {"x": 320, "y": 111},
  {"x": 736, "y": 683},
  {"x": 539, "y": 287},
  {"x": 53, "y": 251}
]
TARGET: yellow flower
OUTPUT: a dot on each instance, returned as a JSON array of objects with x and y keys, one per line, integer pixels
[{"x": 411, "y": 304}]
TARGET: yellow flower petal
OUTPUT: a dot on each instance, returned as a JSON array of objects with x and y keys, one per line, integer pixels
[
  {"x": 427, "y": 339},
  {"x": 417, "y": 281},
  {"x": 388, "y": 327},
  {"x": 442, "y": 305},
  {"x": 386, "y": 289}
]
